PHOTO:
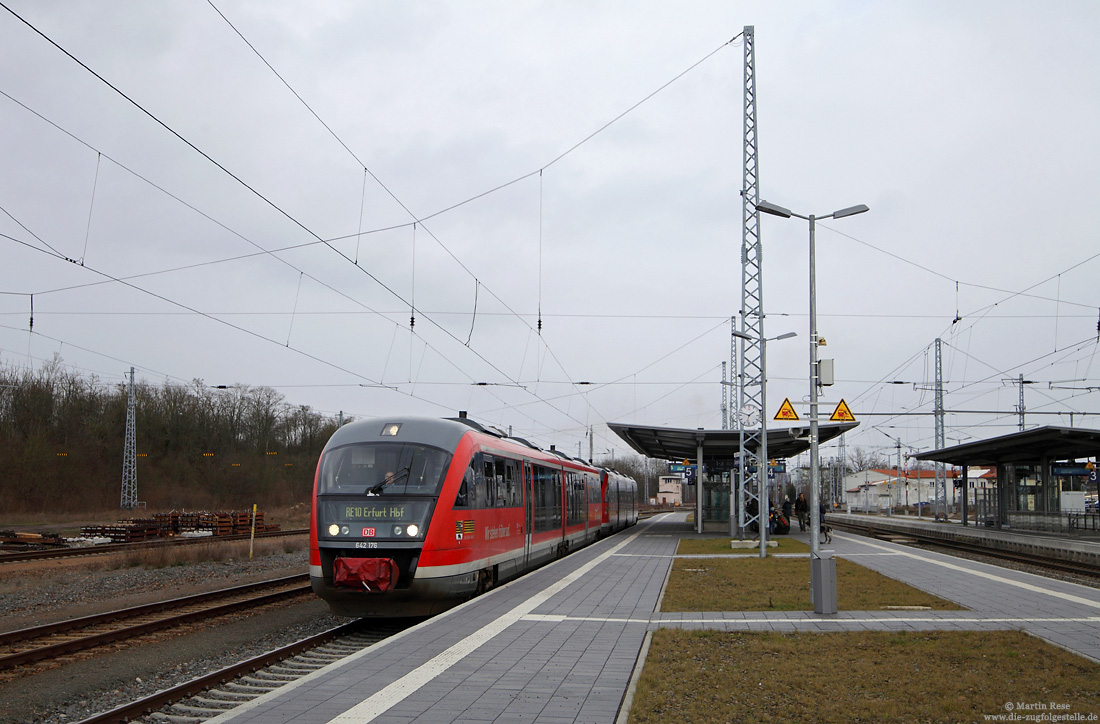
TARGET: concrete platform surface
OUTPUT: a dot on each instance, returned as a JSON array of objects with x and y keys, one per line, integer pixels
[
  {"x": 560, "y": 644},
  {"x": 1081, "y": 548}
]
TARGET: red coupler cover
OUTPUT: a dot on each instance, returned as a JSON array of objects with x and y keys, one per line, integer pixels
[{"x": 375, "y": 575}]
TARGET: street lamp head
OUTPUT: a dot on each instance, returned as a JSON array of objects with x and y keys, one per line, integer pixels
[
  {"x": 742, "y": 335},
  {"x": 850, "y": 211},
  {"x": 776, "y": 210}
]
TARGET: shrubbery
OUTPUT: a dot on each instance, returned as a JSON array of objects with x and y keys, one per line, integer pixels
[{"x": 62, "y": 435}]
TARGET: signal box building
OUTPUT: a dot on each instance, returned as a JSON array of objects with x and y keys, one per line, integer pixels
[{"x": 670, "y": 490}]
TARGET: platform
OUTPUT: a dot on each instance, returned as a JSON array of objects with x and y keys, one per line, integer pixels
[
  {"x": 560, "y": 644},
  {"x": 1077, "y": 548}
]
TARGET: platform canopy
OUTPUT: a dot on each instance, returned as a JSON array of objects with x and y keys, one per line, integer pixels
[
  {"x": 1028, "y": 446},
  {"x": 673, "y": 443}
]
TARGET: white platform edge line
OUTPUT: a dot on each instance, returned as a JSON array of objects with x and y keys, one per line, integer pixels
[
  {"x": 981, "y": 574},
  {"x": 232, "y": 714},
  {"x": 383, "y": 700}
]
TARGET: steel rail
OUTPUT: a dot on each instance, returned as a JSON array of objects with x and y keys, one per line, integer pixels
[
  {"x": 128, "y": 712},
  {"x": 299, "y": 585}
]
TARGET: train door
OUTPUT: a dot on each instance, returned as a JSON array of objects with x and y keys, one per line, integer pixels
[
  {"x": 528, "y": 515},
  {"x": 603, "y": 497}
]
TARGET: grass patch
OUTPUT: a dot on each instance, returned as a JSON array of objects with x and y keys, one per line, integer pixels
[
  {"x": 710, "y": 546},
  {"x": 935, "y": 676},
  {"x": 782, "y": 584}
]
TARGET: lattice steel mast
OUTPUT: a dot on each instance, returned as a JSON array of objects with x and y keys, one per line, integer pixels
[
  {"x": 840, "y": 495},
  {"x": 751, "y": 398},
  {"x": 129, "y": 454},
  {"x": 1022, "y": 409},
  {"x": 941, "y": 441},
  {"x": 725, "y": 399}
]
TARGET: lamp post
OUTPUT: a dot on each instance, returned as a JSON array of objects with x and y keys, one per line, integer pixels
[{"x": 820, "y": 604}]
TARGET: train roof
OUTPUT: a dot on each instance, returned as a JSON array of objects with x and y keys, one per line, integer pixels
[
  {"x": 433, "y": 431},
  {"x": 444, "y": 433}
]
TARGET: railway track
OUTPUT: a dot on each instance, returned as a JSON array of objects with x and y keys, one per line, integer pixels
[
  {"x": 1047, "y": 562},
  {"x": 207, "y": 696},
  {"x": 35, "y": 555},
  {"x": 20, "y": 649}
]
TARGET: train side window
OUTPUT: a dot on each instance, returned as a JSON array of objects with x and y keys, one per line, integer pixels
[
  {"x": 547, "y": 498},
  {"x": 490, "y": 469},
  {"x": 467, "y": 485},
  {"x": 574, "y": 499},
  {"x": 499, "y": 490},
  {"x": 494, "y": 482},
  {"x": 511, "y": 484},
  {"x": 475, "y": 482}
]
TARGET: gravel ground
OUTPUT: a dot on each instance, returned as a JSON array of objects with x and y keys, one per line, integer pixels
[
  {"x": 74, "y": 691},
  {"x": 38, "y": 592}
]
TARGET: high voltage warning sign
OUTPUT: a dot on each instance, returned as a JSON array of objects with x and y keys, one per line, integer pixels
[
  {"x": 786, "y": 411},
  {"x": 842, "y": 413}
]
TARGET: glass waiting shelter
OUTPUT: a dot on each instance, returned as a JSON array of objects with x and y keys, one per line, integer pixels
[
  {"x": 719, "y": 452},
  {"x": 1045, "y": 478}
]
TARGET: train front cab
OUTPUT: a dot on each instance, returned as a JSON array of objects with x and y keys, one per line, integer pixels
[{"x": 376, "y": 490}]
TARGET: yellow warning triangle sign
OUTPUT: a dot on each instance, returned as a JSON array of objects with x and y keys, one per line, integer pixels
[
  {"x": 842, "y": 413},
  {"x": 786, "y": 411}
]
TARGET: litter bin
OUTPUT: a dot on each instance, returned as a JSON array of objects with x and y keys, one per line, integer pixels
[{"x": 823, "y": 582}]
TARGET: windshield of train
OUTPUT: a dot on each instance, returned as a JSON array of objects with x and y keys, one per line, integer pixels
[{"x": 384, "y": 469}]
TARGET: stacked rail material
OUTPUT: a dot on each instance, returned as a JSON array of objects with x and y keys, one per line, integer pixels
[
  {"x": 197, "y": 521},
  {"x": 261, "y": 526},
  {"x": 124, "y": 531},
  {"x": 242, "y": 522},
  {"x": 163, "y": 525},
  {"x": 224, "y": 525},
  {"x": 12, "y": 540},
  {"x": 232, "y": 522},
  {"x": 168, "y": 523},
  {"x": 143, "y": 528}
]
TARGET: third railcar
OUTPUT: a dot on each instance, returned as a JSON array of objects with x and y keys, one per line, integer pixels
[{"x": 414, "y": 515}]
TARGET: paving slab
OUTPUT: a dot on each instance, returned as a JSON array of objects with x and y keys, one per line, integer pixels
[{"x": 561, "y": 643}]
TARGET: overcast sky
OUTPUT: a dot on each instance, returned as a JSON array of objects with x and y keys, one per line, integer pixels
[{"x": 240, "y": 206}]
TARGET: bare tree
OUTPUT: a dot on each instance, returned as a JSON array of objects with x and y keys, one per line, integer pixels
[{"x": 860, "y": 459}]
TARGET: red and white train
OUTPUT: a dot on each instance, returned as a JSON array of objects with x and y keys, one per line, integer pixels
[{"x": 414, "y": 515}]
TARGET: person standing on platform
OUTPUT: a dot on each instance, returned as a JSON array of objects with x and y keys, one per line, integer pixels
[{"x": 802, "y": 510}]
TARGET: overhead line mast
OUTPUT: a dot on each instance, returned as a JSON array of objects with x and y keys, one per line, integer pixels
[
  {"x": 941, "y": 439},
  {"x": 129, "y": 454},
  {"x": 751, "y": 398}
]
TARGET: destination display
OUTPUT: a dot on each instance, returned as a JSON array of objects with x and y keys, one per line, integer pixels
[{"x": 374, "y": 519}]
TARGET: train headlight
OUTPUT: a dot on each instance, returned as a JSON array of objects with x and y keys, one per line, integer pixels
[
  {"x": 413, "y": 530},
  {"x": 334, "y": 530},
  {"x": 398, "y": 530}
]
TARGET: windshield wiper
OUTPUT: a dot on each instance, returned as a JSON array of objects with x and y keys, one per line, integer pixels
[{"x": 391, "y": 478}]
